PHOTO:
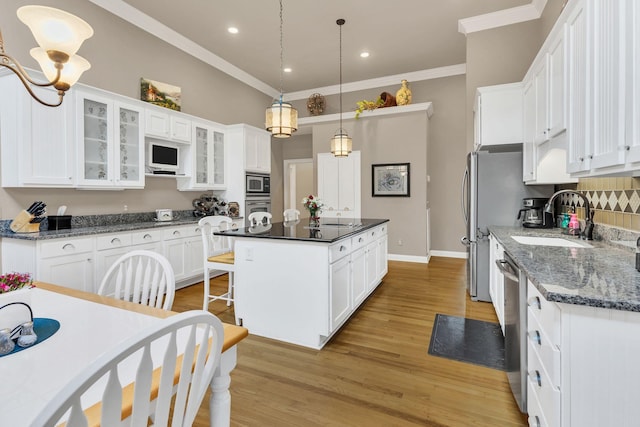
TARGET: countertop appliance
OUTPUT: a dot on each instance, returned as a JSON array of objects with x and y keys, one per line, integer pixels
[
  {"x": 533, "y": 215},
  {"x": 515, "y": 328},
  {"x": 492, "y": 190},
  {"x": 164, "y": 215},
  {"x": 258, "y": 185}
]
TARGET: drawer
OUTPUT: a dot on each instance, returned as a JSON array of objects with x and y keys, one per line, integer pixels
[
  {"x": 61, "y": 247},
  {"x": 181, "y": 232},
  {"x": 534, "y": 410},
  {"x": 546, "y": 312},
  {"x": 541, "y": 345},
  {"x": 539, "y": 384},
  {"x": 382, "y": 230},
  {"x": 339, "y": 250},
  {"x": 147, "y": 236},
  {"x": 111, "y": 241},
  {"x": 359, "y": 241}
]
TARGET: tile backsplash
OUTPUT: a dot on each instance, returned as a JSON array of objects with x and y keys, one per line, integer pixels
[{"x": 615, "y": 200}]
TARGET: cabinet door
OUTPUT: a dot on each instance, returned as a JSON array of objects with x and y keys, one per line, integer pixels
[
  {"x": 176, "y": 252},
  {"x": 194, "y": 251},
  {"x": 577, "y": 99},
  {"x": 371, "y": 260},
  {"x": 95, "y": 139},
  {"x": 328, "y": 183},
  {"x": 540, "y": 84},
  {"x": 529, "y": 148},
  {"x": 157, "y": 123},
  {"x": 257, "y": 151},
  {"x": 72, "y": 271},
  {"x": 129, "y": 146},
  {"x": 358, "y": 276},
  {"x": 180, "y": 128},
  {"x": 339, "y": 185},
  {"x": 339, "y": 292},
  {"x": 382, "y": 255},
  {"x": 496, "y": 279},
  {"x": 607, "y": 61},
  {"x": 556, "y": 75},
  {"x": 633, "y": 85},
  {"x": 219, "y": 161},
  {"x": 201, "y": 167}
]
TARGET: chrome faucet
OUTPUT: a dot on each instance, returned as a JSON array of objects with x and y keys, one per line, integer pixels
[{"x": 587, "y": 233}]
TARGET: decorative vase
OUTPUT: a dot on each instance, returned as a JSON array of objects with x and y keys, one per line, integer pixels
[
  {"x": 388, "y": 100},
  {"x": 314, "y": 219},
  {"x": 15, "y": 308},
  {"x": 403, "y": 96}
]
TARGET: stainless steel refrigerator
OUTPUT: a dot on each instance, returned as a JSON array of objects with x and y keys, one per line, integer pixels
[{"x": 492, "y": 193}]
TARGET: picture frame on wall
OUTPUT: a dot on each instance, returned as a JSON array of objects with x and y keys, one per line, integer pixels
[
  {"x": 162, "y": 94},
  {"x": 390, "y": 180}
]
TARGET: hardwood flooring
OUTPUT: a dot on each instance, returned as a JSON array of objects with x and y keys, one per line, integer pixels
[{"x": 376, "y": 370}]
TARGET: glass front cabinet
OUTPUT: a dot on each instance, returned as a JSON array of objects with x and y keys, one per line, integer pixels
[
  {"x": 110, "y": 142},
  {"x": 205, "y": 168}
]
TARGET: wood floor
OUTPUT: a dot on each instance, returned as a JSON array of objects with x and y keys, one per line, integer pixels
[{"x": 376, "y": 370}]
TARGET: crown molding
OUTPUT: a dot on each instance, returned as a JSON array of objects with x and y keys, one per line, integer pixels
[
  {"x": 158, "y": 29},
  {"x": 502, "y": 18},
  {"x": 414, "y": 76}
]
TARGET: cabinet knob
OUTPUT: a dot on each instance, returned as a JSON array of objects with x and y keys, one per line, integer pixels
[
  {"x": 535, "y": 302},
  {"x": 115, "y": 240},
  {"x": 343, "y": 248},
  {"x": 590, "y": 156},
  {"x": 535, "y": 337},
  {"x": 538, "y": 378},
  {"x": 146, "y": 236},
  {"x": 360, "y": 240},
  {"x": 581, "y": 159},
  {"x": 626, "y": 147},
  {"x": 68, "y": 246}
]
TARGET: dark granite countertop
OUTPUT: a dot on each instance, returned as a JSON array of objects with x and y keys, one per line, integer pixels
[
  {"x": 601, "y": 276},
  {"x": 329, "y": 231}
]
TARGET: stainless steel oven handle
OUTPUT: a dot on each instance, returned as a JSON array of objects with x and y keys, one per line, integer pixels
[{"x": 506, "y": 269}]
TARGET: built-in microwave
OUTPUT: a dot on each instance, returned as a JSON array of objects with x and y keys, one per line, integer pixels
[{"x": 258, "y": 185}]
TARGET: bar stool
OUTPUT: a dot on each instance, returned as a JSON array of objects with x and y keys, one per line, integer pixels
[
  {"x": 218, "y": 255},
  {"x": 256, "y": 218},
  {"x": 291, "y": 214}
]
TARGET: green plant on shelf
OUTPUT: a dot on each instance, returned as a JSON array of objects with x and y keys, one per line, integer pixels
[{"x": 365, "y": 105}]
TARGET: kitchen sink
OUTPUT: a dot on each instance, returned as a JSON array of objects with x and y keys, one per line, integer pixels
[{"x": 551, "y": 241}]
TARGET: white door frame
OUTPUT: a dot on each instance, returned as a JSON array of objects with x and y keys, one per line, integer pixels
[{"x": 289, "y": 168}]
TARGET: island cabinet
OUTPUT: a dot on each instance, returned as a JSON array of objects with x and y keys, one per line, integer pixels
[
  {"x": 496, "y": 278},
  {"x": 582, "y": 363},
  {"x": 301, "y": 288}
]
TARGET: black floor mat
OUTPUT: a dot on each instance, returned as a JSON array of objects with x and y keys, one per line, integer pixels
[{"x": 468, "y": 340}]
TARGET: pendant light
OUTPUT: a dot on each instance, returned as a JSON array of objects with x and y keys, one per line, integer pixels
[
  {"x": 281, "y": 117},
  {"x": 341, "y": 143}
]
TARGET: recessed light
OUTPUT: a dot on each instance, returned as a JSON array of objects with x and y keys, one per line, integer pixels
[
  {"x": 364, "y": 54},
  {"x": 287, "y": 70},
  {"x": 232, "y": 30}
]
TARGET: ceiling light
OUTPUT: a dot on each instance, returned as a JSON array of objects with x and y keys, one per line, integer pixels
[
  {"x": 341, "y": 143},
  {"x": 364, "y": 54},
  {"x": 287, "y": 70},
  {"x": 281, "y": 117},
  {"x": 60, "y": 35},
  {"x": 233, "y": 30}
]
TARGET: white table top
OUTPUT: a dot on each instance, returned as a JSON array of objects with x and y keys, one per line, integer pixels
[{"x": 29, "y": 378}]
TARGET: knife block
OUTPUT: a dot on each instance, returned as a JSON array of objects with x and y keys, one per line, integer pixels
[{"x": 21, "y": 223}]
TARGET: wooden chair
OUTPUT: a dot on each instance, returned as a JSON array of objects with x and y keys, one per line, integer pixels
[
  {"x": 218, "y": 255},
  {"x": 143, "y": 277},
  {"x": 174, "y": 342},
  {"x": 256, "y": 218},
  {"x": 291, "y": 215}
]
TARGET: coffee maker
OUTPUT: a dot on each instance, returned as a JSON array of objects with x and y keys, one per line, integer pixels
[{"x": 533, "y": 214}]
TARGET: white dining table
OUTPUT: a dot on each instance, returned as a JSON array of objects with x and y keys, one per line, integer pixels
[{"x": 89, "y": 326}]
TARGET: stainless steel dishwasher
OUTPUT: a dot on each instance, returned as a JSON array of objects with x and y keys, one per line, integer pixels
[{"x": 515, "y": 328}]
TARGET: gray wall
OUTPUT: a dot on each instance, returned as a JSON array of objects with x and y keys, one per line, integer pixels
[{"x": 120, "y": 54}]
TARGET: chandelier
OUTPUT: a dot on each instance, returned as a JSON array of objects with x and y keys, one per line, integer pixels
[{"x": 341, "y": 142}]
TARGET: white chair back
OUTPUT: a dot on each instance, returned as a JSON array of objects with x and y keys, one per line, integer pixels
[
  {"x": 256, "y": 218},
  {"x": 143, "y": 277},
  {"x": 215, "y": 244},
  {"x": 291, "y": 215},
  {"x": 137, "y": 360}
]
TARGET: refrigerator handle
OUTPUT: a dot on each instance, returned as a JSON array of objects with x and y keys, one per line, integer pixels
[{"x": 463, "y": 191}]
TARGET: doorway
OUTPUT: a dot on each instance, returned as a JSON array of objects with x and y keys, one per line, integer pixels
[{"x": 298, "y": 182}]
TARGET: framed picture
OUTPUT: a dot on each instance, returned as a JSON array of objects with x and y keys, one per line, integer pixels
[
  {"x": 391, "y": 179},
  {"x": 162, "y": 94}
]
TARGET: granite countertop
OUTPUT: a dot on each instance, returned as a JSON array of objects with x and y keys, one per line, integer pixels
[
  {"x": 601, "y": 276},
  {"x": 329, "y": 231}
]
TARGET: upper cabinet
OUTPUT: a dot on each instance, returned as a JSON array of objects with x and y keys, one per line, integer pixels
[
  {"x": 339, "y": 185},
  {"x": 205, "y": 162},
  {"x": 257, "y": 150},
  {"x": 498, "y": 115},
  {"x": 167, "y": 125},
  {"x": 37, "y": 147},
  {"x": 110, "y": 142}
]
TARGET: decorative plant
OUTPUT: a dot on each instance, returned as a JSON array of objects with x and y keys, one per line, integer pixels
[
  {"x": 368, "y": 105},
  {"x": 14, "y": 281},
  {"x": 312, "y": 204}
]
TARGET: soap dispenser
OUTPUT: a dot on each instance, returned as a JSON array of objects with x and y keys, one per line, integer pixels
[{"x": 574, "y": 225}]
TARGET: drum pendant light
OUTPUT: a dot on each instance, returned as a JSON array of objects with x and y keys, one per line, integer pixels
[
  {"x": 281, "y": 117},
  {"x": 341, "y": 142}
]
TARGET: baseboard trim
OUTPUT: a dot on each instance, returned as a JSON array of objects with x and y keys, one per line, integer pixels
[
  {"x": 450, "y": 254},
  {"x": 409, "y": 258}
]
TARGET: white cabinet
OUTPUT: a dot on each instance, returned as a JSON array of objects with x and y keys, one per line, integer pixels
[
  {"x": 496, "y": 279},
  {"x": 167, "y": 125},
  {"x": 632, "y": 123},
  {"x": 556, "y": 84},
  {"x": 110, "y": 142},
  {"x": 67, "y": 262},
  {"x": 339, "y": 292},
  {"x": 183, "y": 249},
  {"x": 498, "y": 115},
  {"x": 37, "y": 146},
  {"x": 257, "y": 149},
  {"x": 529, "y": 147},
  {"x": 339, "y": 185},
  {"x": 540, "y": 86},
  {"x": 205, "y": 163},
  {"x": 110, "y": 247}
]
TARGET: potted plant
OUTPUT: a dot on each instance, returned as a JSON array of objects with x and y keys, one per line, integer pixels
[{"x": 15, "y": 299}]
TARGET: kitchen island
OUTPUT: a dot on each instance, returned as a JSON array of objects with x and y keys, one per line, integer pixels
[{"x": 299, "y": 284}]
